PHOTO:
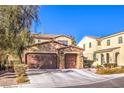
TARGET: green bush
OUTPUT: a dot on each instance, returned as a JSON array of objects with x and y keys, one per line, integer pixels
[
  {"x": 110, "y": 71},
  {"x": 20, "y": 69}
]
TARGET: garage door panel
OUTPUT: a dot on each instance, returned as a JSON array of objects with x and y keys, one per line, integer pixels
[
  {"x": 70, "y": 60},
  {"x": 43, "y": 60}
]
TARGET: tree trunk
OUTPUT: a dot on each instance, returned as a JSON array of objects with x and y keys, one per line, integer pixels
[{"x": 20, "y": 57}]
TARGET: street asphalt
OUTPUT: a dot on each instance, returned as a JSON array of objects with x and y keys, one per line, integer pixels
[{"x": 113, "y": 83}]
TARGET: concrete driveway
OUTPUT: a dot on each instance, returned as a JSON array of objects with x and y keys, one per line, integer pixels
[{"x": 62, "y": 78}]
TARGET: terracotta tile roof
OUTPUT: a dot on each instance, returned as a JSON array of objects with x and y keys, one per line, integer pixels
[
  {"x": 93, "y": 37},
  {"x": 107, "y": 36},
  {"x": 52, "y": 41},
  {"x": 111, "y": 35},
  {"x": 47, "y": 36},
  {"x": 45, "y": 43},
  {"x": 70, "y": 46},
  {"x": 44, "y": 36}
]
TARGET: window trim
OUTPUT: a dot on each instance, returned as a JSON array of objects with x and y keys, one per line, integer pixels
[
  {"x": 63, "y": 42},
  {"x": 39, "y": 40},
  {"x": 108, "y": 42},
  {"x": 120, "y": 40},
  {"x": 90, "y": 44},
  {"x": 84, "y": 46},
  {"x": 99, "y": 43}
]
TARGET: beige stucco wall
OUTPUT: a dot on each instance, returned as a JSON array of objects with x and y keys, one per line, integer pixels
[
  {"x": 88, "y": 52},
  {"x": 121, "y": 56},
  {"x": 120, "y": 59},
  {"x": 113, "y": 40},
  {"x": 98, "y": 58},
  {"x": 113, "y": 43}
]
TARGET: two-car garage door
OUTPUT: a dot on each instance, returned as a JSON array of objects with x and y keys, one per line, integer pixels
[
  {"x": 42, "y": 60},
  {"x": 49, "y": 60}
]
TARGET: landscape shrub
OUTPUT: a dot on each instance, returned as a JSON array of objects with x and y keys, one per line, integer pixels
[
  {"x": 110, "y": 65},
  {"x": 99, "y": 66},
  {"x": 20, "y": 71},
  {"x": 16, "y": 62},
  {"x": 87, "y": 63},
  {"x": 22, "y": 79},
  {"x": 116, "y": 70},
  {"x": 122, "y": 67}
]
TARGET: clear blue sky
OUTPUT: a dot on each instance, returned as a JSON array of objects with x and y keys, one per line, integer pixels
[{"x": 80, "y": 20}]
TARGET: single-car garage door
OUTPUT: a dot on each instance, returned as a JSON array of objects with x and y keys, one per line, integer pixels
[
  {"x": 42, "y": 60},
  {"x": 70, "y": 60}
]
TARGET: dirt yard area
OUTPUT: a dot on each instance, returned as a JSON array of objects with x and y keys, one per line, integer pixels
[{"x": 7, "y": 79}]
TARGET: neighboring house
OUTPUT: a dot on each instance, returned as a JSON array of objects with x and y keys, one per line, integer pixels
[
  {"x": 39, "y": 38},
  {"x": 107, "y": 49},
  {"x": 53, "y": 55},
  {"x": 89, "y": 44}
]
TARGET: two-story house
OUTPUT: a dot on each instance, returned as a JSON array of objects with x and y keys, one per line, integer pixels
[
  {"x": 53, "y": 52},
  {"x": 107, "y": 49}
]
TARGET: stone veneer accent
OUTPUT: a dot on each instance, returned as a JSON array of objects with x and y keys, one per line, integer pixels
[{"x": 60, "y": 50}]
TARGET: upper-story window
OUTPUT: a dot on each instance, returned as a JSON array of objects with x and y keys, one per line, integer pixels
[
  {"x": 98, "y": 43},
  {"x": 63, "y": 42},
  {"x": 84, "y": 46},
  {"x": 108, "y": 42},
  {"x": 120, "y": 40},
  {"x": 90, "y": 45},
  {"x": 39, "y": 40}
]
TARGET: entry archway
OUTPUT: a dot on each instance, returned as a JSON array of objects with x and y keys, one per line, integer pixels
[
  {"x": 107, "y": 57},
  {"x": 102, "y": 59},
  {"x": 117, "y": 57}
]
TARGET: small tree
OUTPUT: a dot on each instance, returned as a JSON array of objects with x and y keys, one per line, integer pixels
[
  {"x": 15, "y": 24},
  {"x": 22, "y": 40},
  {"x": 73, "y": 40}
]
